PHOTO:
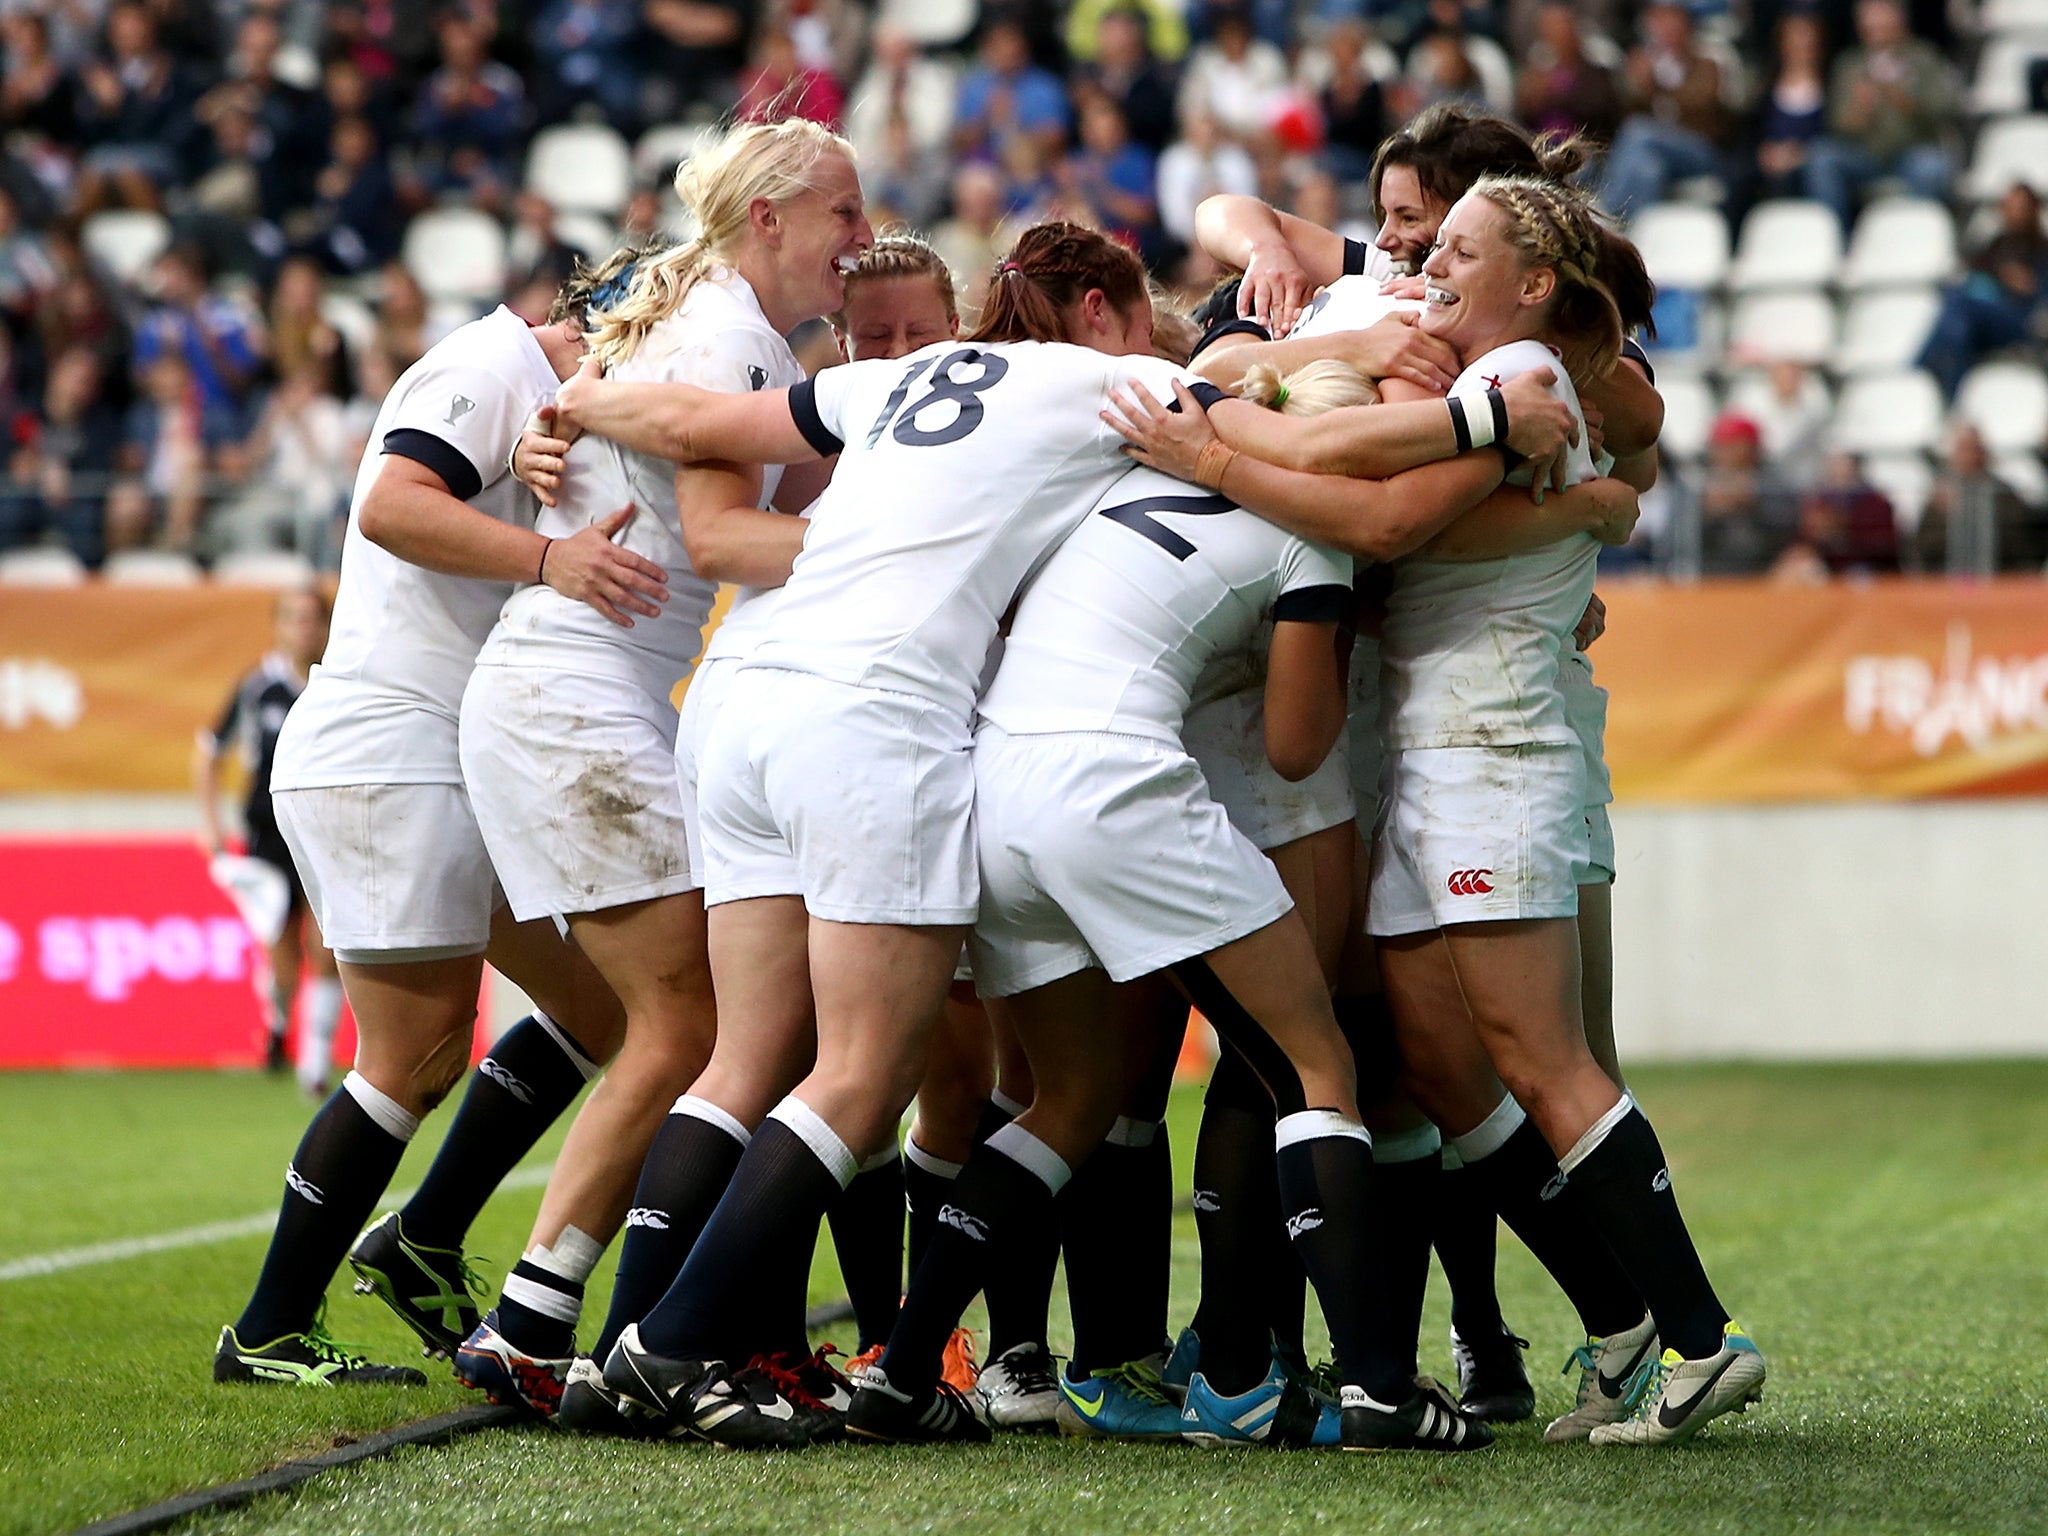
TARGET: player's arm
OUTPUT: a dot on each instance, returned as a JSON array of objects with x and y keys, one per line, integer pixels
[
  {"x": 1284, "y": 259},
  {"x": 1633, "y": 409},
  {"x": 1505, "y": 523},
  {"x": 683, "y": 422},
  {"x": 802, "y": 484},
  {"x": 728, "y": 537},
  {"x": 1392, "y": 348},
  {"x": 1305, "y": 695}
]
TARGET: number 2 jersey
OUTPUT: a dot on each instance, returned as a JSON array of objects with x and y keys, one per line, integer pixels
[
  {"x": 1162, "y": 580},
  {"x": 961, "y": 466}
]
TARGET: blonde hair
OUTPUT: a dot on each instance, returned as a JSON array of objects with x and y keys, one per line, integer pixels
[
  {"x": 1323, "y": 385},
  {"x": 718, "y": 184},
  {"x": 1553, "y": 225},
  {"x": 1175, "y": 334},
  {"x": 900, "y": 252}
]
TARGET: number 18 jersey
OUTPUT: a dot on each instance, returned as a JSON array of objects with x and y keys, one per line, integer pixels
[{"x": 1164, "y": 577}]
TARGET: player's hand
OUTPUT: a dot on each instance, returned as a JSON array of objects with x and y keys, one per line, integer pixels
[
  {"x": 1541, "y": 428},
  {"x": 1164, "y": 439},
  {"x": 539, "y": 457},
  {"x": 590, "y": 568},
  {"x": 1411, "y": 286},
  {"x": 575, "y": 394},
  {"x": 1396, "y": 348},
  {"x": 1275, "y": 288},
  {"x": 1592, "y": 623}
]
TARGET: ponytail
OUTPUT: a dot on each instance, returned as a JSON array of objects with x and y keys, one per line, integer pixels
[{"x": 1050, "y": 268}]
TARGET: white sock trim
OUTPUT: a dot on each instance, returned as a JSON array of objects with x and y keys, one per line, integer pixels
[
  {"x": 1492, "y": 1133},
  {"x": 573, "y": 1255},
  {"x": 1595, "y": 1134},
  {"x": 1033, "y": 1155},
  {"x": 703, "y": 1109},
  {"x": 1316, "y": 1125},
  {"x": 819, "y": 1136},
  {"x": 881, "y": 1159},
  {"x": 1452, "y": 1161},
  {"x": 578, "y": 1057},
  {"x": 1410, "y": 1146},
  {"x": 392, "y": 1117},
  {"x": 936, "y": 1166},
  {"x": 544, "y": 1299},
  {"x": 1005, "y": 1103},
  {"x": 1127, "y": 1132}
]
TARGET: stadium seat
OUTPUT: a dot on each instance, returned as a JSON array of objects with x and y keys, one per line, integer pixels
[
  {"x": 580, "y": 168},
  {"x": 1906, "y": 479},
  {"x": 457, "y": 253},
  {"x": 263, "y": 568},
  {"x": 350, "y": 315},
  {"x": 933, "y": 23},
  {"x": 2000, "y": 83},
  {"x": 2010, "y": 149},
  {"x": 1689, "y": 412},
  {"x": 40, "y": 568},
  {"x": 1901, "y": 242},
  {"x": 1884, "y": 331},
  {"x": 661, "y": 149},
  {"x": 1782, "y": 327},
  {"x": 151, "y": 568},
  {"x": 126, "y": 240},
  {"x": 1684, "y": 245},
  {"x": 1788, "y": 243},
  {"x": 2008, "y": 403},
  {"x": 595, "y": 237},
  {"x": 2001, "y": 16},
  {"x": 2025, "y": 474},
  {"x": 1888, "y": 413}
]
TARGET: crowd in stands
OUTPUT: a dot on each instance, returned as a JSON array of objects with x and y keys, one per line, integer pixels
[{"x": 207, "y": 275}]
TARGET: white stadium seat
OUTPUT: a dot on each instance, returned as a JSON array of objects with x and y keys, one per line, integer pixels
[
  {"x": 1787, "y": 426},
  {"x": 1889, "y": 413},
  {"x": 1901, "y": 242},
  {"x": 126, "y": 240},
  {"x": 1788, "y": 243},
  {"x": 580, "y": 168},
  {"x": 2025, "y": 474},
  {"x": 151, "y": 568},
  {"x": 1782, "y": 327},
  {"x": 2000, "y": 84},
  {"x": 263, "y": 568},
  {"x": 1885, "y": 330},
  {"x": 932, "y": 23},
  {"x": 1906, "y": 480},
  {"x": 1684, "y": 245},
  {"x": 457, "y": 253},
  {"x": 40, "y": 568},
  {"x": 2008, "y": 403},
  {"x": 595, "y": 237},
  {"x": 2010, "y": 149},
  {"x": 661, "y": 149},
  {"x": 1689, "y": 412},
  {"x": 2014, "y": 16},
  {"x": 350, "y": 315}
]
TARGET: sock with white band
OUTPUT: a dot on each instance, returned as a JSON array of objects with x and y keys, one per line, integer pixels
[
  {"x": 925, "y": 1181},
  {"x": 1406, "y": 1167},
  {"x": 1018, "y": 1294},
  {"x": 543, "y": 1296},
  {"x": 1326, "y": 1198}
]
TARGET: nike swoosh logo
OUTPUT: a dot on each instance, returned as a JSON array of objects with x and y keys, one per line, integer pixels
[
  {"x": 1088, "y": 1409},
  {"x": 1613, "y": 1386},
  {"x": 777, "y": 1409},
  {"x": 1672, "y": 1420}
]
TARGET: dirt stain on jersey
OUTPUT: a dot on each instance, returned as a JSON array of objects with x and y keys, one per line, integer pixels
[{"x": 605, "y": 798}]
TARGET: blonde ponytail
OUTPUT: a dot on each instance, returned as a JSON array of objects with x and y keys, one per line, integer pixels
[{"x": 1323, "y": 385}]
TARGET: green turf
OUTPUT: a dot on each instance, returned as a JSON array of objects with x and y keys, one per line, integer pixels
[{"x": 1884, "y": 1230}]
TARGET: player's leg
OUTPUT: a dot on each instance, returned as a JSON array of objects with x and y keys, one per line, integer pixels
[{"x": 1596, "y": 974}]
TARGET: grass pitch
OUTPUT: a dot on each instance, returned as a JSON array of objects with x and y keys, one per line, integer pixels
[{"x": 1884, "y": 1231}]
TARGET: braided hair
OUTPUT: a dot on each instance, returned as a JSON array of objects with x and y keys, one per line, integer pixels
[
  {"x": 1051, "y": 267},
  {"x": 1553, "y": 225}
]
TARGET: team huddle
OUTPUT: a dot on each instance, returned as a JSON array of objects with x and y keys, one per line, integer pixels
[{"x": 1094, "y": 662}]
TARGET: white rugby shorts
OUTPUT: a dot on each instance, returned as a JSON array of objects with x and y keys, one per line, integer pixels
[
  {"x": 573, "y": 778},
  {"x": 1099, "y": 849},
  {"x": 1227, "y": 738},
  {"x": 393, "y": 872},
  {"x": 700, "y": 703},
  {"x": 1477, "y": 835},
  {"x": 1365, "y": 742},
  {"x": 859, "y": 800}
]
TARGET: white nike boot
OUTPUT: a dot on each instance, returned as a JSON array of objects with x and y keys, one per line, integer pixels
[
  {"x": 1682, "y": 1395},
  {"x": 1611, "y": 1376}
]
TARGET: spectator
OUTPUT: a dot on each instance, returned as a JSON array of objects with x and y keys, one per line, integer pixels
[
  {"x": 900, "y": 84},
  {"x": 348, "y": 92},
  {"x": 170, "y": 439},
  {"x": 81, "y": 312},
  {"x": 286, "y": 123},
  {"x": 695, "y": 49},
  {"x": 1354, "y": 108},
  {"x": 1006, "y": 95},
  {"x": 1746, "y": 512},
  {"x": 1111, "y": 178},
  {"x": 1201, "y": 165},
  {"x": 135, "y": 113},
  {"x": 537, "y": 254},
  {"x": 1795, "y": 108},
  {"x": 1559, "y": 89},
  {"x": 1975, "y": 524},
  {"x": 1677, "y": 126},
  {"x": 38, "y": 97},
  {"x": 467, "y": 118},
  {"x": 403, "y": 331},
  {"x": 295, "y": 469},
  {"x": 1794, "y": 421},
  {"x": 778, "y": 84},
  {"x": 1890, "y": 102},
  {"x": 354, "y": 224},
  {"x": 903, "y": 182},
  {"x": 1162, "y": 33},
  {"x": 302, "y": 339},
  {"x": 584, "y": 53},
  {"x": 222, "y": 351},
  {"x": 1845, "y": 525},
  {"x": 1998, "y": 300},
  {"x": 1125, "y": 68},
  {"x": 974, "y": 238},
  {"x": 28, "y": 275},
  {"x": 1234, "y": 79},
  {"x": 1440, "y": 70},
  {"x": 66, "y": 452}
]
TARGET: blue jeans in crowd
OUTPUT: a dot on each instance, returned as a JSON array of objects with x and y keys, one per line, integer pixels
[
  {"x": 1977, "y": 316},
  {"x": 1647, "y": 157},
  {"x": 1837, "y": 170}
]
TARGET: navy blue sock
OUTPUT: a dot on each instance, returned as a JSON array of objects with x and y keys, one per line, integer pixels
[{"x": 867, "y": 1232}]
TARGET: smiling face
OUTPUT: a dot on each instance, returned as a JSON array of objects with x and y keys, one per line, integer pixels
[
  {"x": 894, "y": 316},
  {"x": 1411, "y": 218},
  {"x": 1480, "y": 294},
  {"x": 819, "y": 236}
]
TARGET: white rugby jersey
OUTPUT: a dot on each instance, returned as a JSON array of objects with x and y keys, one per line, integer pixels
[
  {"x": 962, "y": 466},
  {"x": 1469, "y": 652},
  {"x": 718, "y": 340},
  {"x": 1349, "y": 304},
  {"x": 382, "y": 705},
  {"x": 1113, "y": 632}
]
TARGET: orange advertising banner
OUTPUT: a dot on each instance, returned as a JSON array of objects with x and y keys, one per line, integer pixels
[{"x": 1725, "y": 691}]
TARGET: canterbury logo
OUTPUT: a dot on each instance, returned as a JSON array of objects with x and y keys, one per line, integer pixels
[
  {"x": 1554, "y": 1188},
  {"x": 952, "y": 1216},
  {"x": 1304, "y": 1221},
  {"x": 647, "y": 1216},
  {"x": 1471, "y": 882},
  {"x": 1662, "y": 1182},
  {"x": 1208, "y": 1200},
  {"x": 458, "y": 407},
  {"x": 497, "y": 1072},
  {"x": 304, "y": 1187}
]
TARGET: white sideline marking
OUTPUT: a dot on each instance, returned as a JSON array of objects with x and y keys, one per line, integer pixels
[{"x": 37, "y": 1265}]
